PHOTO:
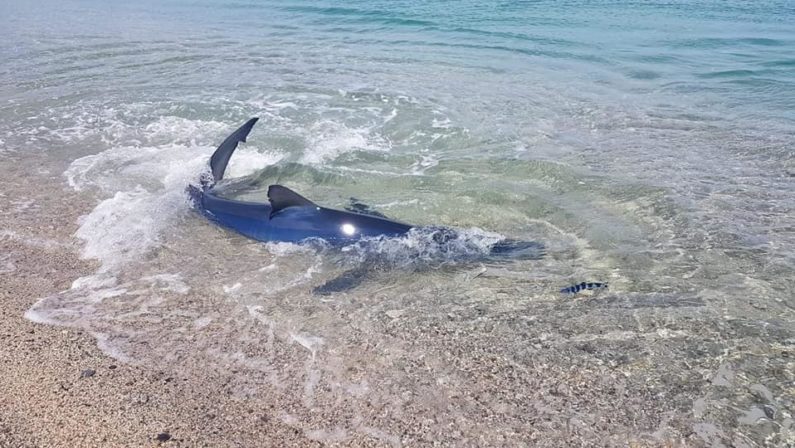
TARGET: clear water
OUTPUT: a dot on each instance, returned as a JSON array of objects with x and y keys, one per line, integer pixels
[{"x": 650, "y": 146}]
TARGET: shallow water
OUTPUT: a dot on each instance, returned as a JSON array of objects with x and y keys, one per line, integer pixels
[{"x": 647, "y": 146}]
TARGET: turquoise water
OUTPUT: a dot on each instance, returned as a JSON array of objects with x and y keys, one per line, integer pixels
[
  {"x": 731, "y": 58},
  {"x": 648, "y": 145}
]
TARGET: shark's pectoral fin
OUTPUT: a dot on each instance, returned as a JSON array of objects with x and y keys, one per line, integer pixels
[
  {"x": 347, "y": 281},
  {"x": 361, "y": 208}
]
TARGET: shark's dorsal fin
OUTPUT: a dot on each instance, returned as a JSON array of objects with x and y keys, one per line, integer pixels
[{"x": 282, "y": 197}]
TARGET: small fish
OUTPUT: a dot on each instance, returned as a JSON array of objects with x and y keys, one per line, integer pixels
[{"x": 574, "y": 289}]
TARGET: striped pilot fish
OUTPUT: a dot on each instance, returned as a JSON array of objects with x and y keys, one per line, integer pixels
[{"x": 574, "y": 289}]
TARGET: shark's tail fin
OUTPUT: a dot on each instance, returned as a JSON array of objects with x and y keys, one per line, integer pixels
[{"x": 220, "y": 157}]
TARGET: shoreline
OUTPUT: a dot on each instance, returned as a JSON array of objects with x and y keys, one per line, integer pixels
[
  {"x": 490, "y": 373},
  {"x": 59, "y": 389}
]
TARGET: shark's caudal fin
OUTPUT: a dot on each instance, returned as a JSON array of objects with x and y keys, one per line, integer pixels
[{"x": 220, "y": 157}]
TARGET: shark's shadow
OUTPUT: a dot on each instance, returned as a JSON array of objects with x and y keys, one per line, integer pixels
[{"x": 421, "y": 250}]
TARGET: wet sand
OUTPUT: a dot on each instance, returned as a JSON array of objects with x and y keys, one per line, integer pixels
[
  {"x": 584, "y": 372},
  {"x": 57, "y": 389}
]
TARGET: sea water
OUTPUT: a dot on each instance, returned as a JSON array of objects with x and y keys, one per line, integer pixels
[{"x": 650, "y": 146}]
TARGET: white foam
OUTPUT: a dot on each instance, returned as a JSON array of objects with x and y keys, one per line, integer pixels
[
  {"x": 122, "y": 228},
  {"x": 147, "y": 189},
  {"x": 70, "y": 307},
  {"x": 444, "y": 123},
  {"x": 110, "y": 349},
  {"x": 22, "y": 205},
  {"x": 425, "y": 162},
  {"x": 280, "y": 105},
  {"x": 289, "y": 419},
  {"x": 77, "y": 305},
  {"x": 142, "y": 189},
  {"x": 112, "y": 126},
  {"x": 281, "y": 249},
  {"x": 169, "y": 129},
  {"x": 309, "y": 342},
  {"x": 30, "y": 241},
  {"x": 334, "y": 435},
  {"x": 391, "y": 116},
  {"x": 96, "y": 281},
  {"x": 231, "y": 289},
  {"x": 167, "y": 282},
  {"x": 329, "y": 139},
  {"x": 398, "y": 203},
  {"x": 248, "y": 160},
  {"x": 312, "y": 380},
  {"x": 202, "y": 322},
  {"x": 425, "y": 246},
  {"x": 7, "y": 267},
  {"x": 35, "y": 316},
  {"x": 376, "y": 172},
  {"x": 378, "y": 434},
  {"x": 256, "y": 311}
]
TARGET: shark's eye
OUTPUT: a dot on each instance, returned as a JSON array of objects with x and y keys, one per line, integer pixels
[{"x": 348, "y": 229}]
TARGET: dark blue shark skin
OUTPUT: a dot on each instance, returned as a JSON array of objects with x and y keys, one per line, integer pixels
[
  {"x": 289, "y": 217},
  {"x": 296, "y": 223}
]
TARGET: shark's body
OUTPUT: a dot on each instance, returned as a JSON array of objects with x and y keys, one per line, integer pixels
[{"x": 289, "y": 217}]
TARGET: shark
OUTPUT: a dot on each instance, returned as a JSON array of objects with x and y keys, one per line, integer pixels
[{"x": 291, "y": 217}]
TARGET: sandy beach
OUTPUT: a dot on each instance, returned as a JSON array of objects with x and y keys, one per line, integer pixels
[
  {"x": 644, "y": 148},
  {"x": 59, "y": 390}
]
